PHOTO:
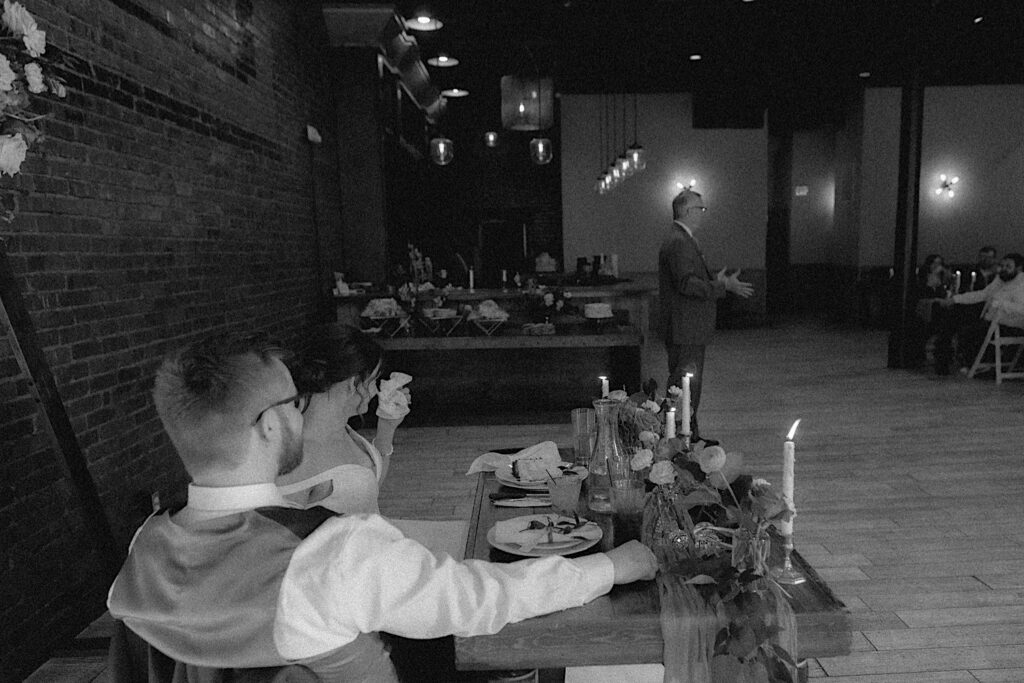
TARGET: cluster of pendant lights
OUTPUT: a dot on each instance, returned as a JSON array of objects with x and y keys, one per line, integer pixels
[
  {"x": 632, "y": 159},
  {"x": 530, "y": 98}
]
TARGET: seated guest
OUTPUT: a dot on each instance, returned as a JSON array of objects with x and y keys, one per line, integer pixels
[
  {"x": 242, "y": 578},
  {"x": 985, "y": 270},
  {"x": 930, "y": 318},
  {"x": 340, "y": 469},
  {"x": 1003, "y": 298}
]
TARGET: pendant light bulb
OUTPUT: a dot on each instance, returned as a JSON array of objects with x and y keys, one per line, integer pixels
[
  {"x": 540, "y": 151},
  {"x": 441, "y": 151}
]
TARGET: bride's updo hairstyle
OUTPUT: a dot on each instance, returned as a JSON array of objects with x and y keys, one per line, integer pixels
[{"x": 335, "y": 355}]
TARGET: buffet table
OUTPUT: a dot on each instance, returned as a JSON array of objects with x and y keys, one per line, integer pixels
[
  {"x": 622, "y": 627},
  {"x": 528, "y": 362}
]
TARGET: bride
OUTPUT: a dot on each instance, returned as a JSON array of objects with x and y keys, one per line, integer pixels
[{"x": 341, "y": 470}]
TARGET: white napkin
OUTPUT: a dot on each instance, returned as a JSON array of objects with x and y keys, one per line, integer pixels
[
  {"x": 546, "y": 451},
  {"x": 530, "y": 502},
  {"x": 513, "y": 531},
  {"x": 392, "y": 403}
]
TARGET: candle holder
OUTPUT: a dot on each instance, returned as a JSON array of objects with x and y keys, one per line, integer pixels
[{"x": 787, "y": 574}]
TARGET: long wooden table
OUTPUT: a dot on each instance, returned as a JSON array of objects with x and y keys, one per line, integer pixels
[{"x": 623, "y": 626}]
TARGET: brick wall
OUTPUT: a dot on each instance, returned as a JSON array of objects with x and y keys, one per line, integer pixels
[{"x": 174, "y": 195}]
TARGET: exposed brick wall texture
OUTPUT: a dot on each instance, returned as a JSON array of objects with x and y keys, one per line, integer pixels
[{"x": 174, "y": 195}]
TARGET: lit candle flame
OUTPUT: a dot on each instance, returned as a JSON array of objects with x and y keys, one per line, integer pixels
[
  {"x": 602, "y": 377},
  {"x": 792, "y": 431},
  {"x": 689, "y": 374}
]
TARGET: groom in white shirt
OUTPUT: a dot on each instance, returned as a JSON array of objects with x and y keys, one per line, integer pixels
[{"x": 240, "y": 578}]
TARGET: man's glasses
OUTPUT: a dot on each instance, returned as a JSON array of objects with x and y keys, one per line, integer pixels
[
  {"x": 301, "y": 402},
  {"x": 702, "y": 209}
]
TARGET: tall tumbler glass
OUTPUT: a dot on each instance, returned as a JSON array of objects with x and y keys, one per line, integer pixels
[{"x": 584, "y": 434}]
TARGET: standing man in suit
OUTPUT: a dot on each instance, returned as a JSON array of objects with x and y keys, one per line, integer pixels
[{"x": 688, "y": 292}]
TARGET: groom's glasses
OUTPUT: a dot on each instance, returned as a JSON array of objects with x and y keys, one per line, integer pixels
[
  {"x": 702, "y": 209},
  {"x": 301, "y": 402}
]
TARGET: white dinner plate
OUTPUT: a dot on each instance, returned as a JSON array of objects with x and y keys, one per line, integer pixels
[
  {"x": 505, "y": 476},
  {"x": 568, "y": 547}
]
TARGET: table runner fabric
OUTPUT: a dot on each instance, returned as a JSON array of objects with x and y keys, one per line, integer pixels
[{"x": 689, "y": 627}]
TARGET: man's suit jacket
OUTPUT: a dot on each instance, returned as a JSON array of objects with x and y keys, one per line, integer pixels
[{"x": 687, "y": 290}]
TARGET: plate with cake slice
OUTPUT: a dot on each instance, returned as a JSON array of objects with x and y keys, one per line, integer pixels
[{"x": 532, "y": 476}]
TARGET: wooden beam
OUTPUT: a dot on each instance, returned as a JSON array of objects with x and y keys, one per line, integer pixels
[{"x": 29, "y": 354}]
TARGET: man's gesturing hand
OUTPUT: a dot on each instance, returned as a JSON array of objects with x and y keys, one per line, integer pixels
[
  {"x": 633, "y": 561},
  {"x": 732, "y": 284}
]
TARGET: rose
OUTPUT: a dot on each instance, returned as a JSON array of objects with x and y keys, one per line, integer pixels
[
  {"x": 7, "y": 74},
  {"x": 12, "y": 153},
  {"x": 641, "y": 459},
  {"x": 648, "y": 438},
  {"x": 17, "y": 18},
  {"x": 650, "y": 406},
  {"x": 711, "y": 459},
  {"x": 758, "y": 486},
  {"x": 618, "y": 395},
  {"x": 34, "y": 76},
  {"x": 662, "y": 473},
  {"x": 35, "y": 42},
  {"x": 675, "y": 391}
]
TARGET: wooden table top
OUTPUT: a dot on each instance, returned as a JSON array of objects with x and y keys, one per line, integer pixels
[{"x": 622, "y": 627}]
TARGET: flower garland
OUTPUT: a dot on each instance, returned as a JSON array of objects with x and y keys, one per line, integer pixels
[
  {"x": 22, "y": 44},
  {"x": 709, "y": 526}
]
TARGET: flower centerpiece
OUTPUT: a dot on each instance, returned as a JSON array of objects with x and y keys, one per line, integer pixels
[
  {"x": 709, "y": 527},
  {"x": 22, "y": 80}
]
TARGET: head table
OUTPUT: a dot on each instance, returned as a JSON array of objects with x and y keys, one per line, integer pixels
[{"x": 622, "y": 627}]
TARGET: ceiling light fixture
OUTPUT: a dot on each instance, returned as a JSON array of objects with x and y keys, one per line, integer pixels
[
  {"x": 864, "y": 74},
  {"x": 491, "y": 138},
  {"x": 424, "y": 21},
  {"x": 454, "y": 92},
  {"x": 444, "y": 61},
  {"x": 695, "y": 57},
  {"x": 978, "y": 19}
]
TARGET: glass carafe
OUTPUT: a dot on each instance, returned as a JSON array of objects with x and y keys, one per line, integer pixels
[{"x": 609, "y": 463}]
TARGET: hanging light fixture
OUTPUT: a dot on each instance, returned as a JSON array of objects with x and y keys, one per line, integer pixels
[
  {"x": 541, "y": 152},
  {"x": 636, "y": 153},
  {"x": 423, "y": 20},
  {"x": 526, "y": 103},
  {"x": 491, "y": 138},
  {"x": 442, "y": 151}
]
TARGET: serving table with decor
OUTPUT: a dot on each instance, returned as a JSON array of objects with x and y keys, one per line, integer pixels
[
  {"x": 531, "y": 359},
  {"x": 622, "y": 627}
]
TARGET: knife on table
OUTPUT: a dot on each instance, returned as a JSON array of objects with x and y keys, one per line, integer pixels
[{"x": 512, "y": 496}]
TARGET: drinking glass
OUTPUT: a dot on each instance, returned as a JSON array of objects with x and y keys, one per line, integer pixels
[
  {"x": 584, "y": 434},
  {"x": 627, "y": 510},
  {"x": 565, "y": 493}
]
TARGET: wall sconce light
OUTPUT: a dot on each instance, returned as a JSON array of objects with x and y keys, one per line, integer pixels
[
  {"x": 441, "y": 151},
  {"x": 946, "y": 185},
  {"x": 491, "y": 138}
]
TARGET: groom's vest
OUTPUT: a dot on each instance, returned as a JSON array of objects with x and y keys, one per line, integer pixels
[{"x": 206, "y": 595}]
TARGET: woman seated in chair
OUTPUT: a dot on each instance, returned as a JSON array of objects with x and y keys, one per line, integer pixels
[
  {"x": 930, "y": 318},
  {"x": 341, "y": 470}
]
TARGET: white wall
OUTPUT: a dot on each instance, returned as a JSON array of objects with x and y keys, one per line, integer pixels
[
  {"x": 974, "y": 132},
  {"x": 730, "y": 167}
]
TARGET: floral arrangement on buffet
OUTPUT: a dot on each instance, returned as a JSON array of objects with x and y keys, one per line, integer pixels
[
  {"x": 709, "y": 526},
  {"x": 22, "y": 45}
]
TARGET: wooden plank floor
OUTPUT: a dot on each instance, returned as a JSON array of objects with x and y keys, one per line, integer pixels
[{"x": 908, "y": 489}]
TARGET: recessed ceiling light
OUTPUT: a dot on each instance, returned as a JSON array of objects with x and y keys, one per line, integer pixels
[
  {"x": 424, "y": 22},
  {"x": 454, "y": 92},
  {"x": 443, "y": 60},
  {"x": 864, "y": 74},
  {"x": 695, "y": 58},
  {"x": 978, "y": 19}
]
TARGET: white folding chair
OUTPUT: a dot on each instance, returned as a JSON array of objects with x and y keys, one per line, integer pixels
[{"x": 1005, "y": 369}]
